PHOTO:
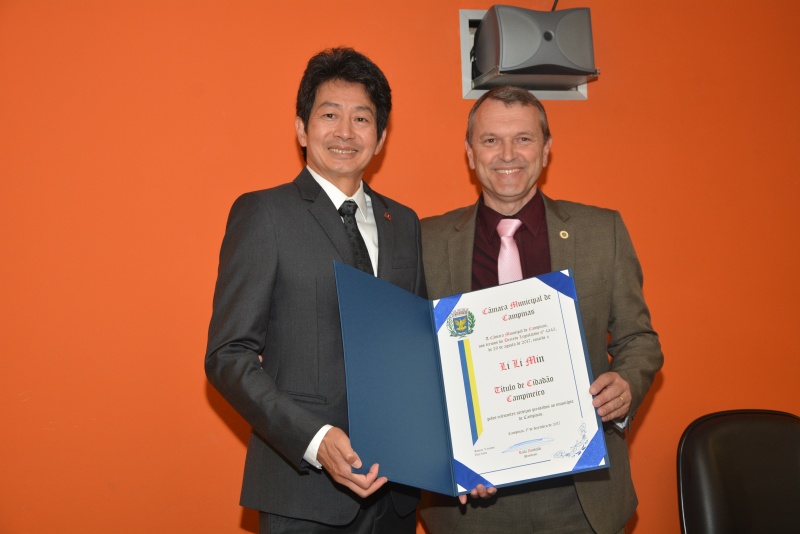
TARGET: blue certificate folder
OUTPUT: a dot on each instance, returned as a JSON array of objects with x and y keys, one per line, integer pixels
[{"x": 396, "y": 400}]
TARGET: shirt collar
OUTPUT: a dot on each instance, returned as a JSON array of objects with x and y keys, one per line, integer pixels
[
  {"x": 338, "y": 198},
  {"x": 531, "y": 216}
]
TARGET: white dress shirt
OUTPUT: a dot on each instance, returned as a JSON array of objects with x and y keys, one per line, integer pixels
[
  {"x": 369, "y": 231},
  {"x": 364, "y": 216}
]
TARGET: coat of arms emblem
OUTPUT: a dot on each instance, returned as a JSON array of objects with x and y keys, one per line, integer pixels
[{"x": 461, "y": 323}]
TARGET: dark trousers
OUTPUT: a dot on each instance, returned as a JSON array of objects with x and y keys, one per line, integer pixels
[
  {"x": 379, "y": 517},
  {"x": 549, "y": 507}
]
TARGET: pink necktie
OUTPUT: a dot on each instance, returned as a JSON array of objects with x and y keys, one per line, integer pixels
[{"x": 509, "y": 268}]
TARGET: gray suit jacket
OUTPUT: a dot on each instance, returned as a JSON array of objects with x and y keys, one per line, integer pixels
[
  {"x": 595, "y": 244},
  {"x": 276, "y": 297}
]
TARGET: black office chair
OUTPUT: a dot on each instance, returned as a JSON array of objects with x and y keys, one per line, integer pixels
[{"x": 739, "y": 472}]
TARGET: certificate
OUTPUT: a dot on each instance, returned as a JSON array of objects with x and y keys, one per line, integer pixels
[{"x": 488, "y": 387}]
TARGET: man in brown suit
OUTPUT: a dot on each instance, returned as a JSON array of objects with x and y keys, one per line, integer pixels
[{"x": 508, "y": 144}]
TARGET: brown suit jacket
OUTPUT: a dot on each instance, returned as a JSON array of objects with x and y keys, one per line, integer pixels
[{"x": 595, "y": 244}]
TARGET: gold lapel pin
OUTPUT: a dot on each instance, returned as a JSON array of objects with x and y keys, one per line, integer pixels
[
  {"x": 386, "y": 214},
  {"x": 564, "y": 234}
]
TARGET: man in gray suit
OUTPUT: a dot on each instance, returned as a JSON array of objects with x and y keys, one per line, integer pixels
[
  {"x": 508, "y": 144},
  {"x": 275, "y": 342}
]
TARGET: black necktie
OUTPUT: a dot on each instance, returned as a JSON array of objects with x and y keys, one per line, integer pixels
[{"x": 348, "y": 213}]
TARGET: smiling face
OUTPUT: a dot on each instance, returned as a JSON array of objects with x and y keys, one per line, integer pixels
[
  {"x": 508, "y": 152},
  {"x": 342, "y": 136}
]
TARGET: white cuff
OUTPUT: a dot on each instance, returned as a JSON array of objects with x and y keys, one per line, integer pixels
[
  {"x": 623, "y": 423},
  {"x": 311, "y": 452}
]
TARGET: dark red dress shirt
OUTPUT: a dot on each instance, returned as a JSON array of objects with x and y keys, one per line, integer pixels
[{"x": 531, "y": 238}]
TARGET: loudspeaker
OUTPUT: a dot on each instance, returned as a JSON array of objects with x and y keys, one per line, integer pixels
[{"x": 533, "y": 49}]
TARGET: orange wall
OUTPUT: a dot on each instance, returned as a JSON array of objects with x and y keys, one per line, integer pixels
[{"x": 127, "y": 128}]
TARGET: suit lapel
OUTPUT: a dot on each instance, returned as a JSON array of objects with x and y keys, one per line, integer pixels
[
  {"x": 459, "y": 251},
  {"x": 321, "y": 208},
  {"x": 560, "y": 235},
  {"x": 383, "y": 221},
  {"x": 461, "y": 240}
]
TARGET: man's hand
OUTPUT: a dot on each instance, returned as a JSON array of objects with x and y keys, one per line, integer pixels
[
  {"x": 338, "y": 457},
  {"x": 612, "y": 396},
  {"x": 479, "y": 491}
]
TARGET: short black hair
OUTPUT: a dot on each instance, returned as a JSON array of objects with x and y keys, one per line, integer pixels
[{"x": 347, "y": 65}]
